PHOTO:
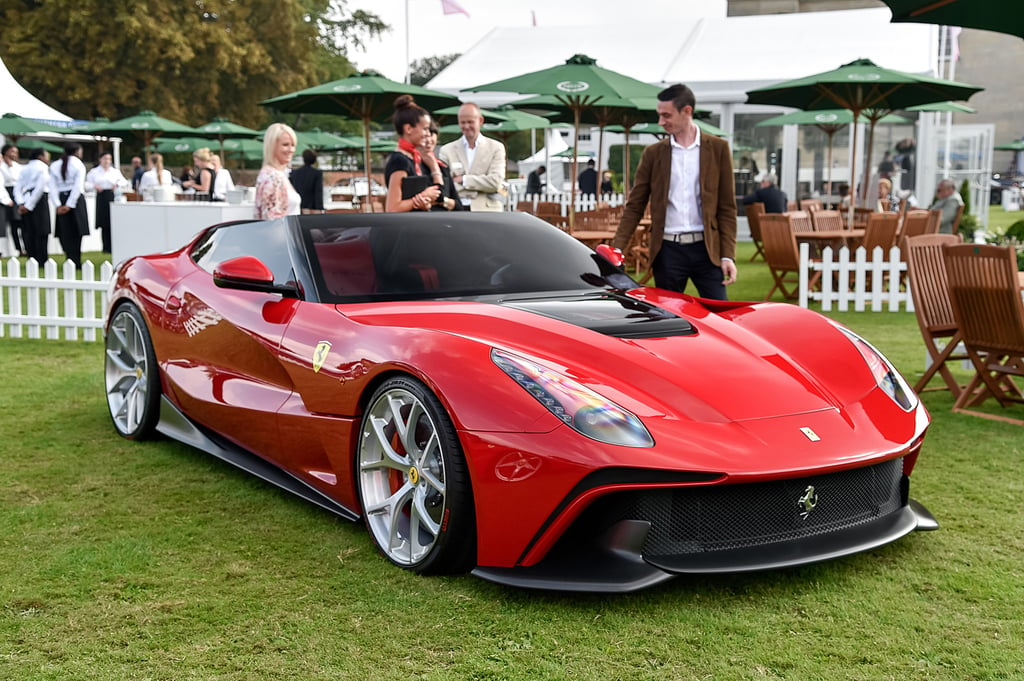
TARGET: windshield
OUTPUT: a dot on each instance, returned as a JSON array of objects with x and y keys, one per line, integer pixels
[{"x": 399, "y": 257}]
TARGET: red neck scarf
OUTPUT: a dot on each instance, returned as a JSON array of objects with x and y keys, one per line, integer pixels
[{"x": 407, "y": 146}]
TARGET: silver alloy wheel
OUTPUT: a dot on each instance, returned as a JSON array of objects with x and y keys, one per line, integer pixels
[
  {"x": 129, "y": 383},
  {"x": 402, "y": 477}
]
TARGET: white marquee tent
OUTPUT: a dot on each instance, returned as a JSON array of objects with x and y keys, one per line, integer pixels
[{"x": 17, "y": 100}]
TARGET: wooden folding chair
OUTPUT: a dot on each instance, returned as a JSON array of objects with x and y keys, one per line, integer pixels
[
  {"x": 782, "y": 256},
  {"x": 934, "y": 221},
  {"x": 827, "y": 220},
  {"x": 985, "y": 292},
  {"x": 929, "y": 289},
  {"x": 811, "y": 205},
  {"x": 880, "y": 230},
  {"x": 754, "y": 213},
  {"x": 800, "y": 220}
]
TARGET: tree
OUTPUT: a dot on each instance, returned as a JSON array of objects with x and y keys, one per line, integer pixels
[
  {"x": 188, "y": 61},
  {"x": 422, "y": 70}
]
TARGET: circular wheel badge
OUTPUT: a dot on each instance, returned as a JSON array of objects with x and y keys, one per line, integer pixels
[{"x": 414, "y": 476}]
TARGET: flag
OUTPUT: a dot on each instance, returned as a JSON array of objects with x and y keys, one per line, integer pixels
[
  {"x": 954, "y": 42},
  {"x": 452, "y": 7}
]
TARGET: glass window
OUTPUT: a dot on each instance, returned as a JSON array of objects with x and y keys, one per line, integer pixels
[
  {"x": 390, "y": 257},
  {"x": 267, "y": 241}
]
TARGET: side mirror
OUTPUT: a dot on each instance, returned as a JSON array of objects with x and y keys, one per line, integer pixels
[
  {"x": 248, "y": 273},
  {"x": 611, "y": 254}
]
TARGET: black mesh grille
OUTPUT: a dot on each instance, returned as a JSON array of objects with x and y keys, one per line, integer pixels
[{"x": 722, "y": 517}]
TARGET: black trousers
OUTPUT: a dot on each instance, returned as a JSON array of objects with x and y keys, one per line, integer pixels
[
  {"x": 678, "y": 264},
  {"x": 103, "y": 200},
  {"x": 35, "y": 230},
  {"x": 71, "y": 227},
  {"x": 12, "y": 219}
]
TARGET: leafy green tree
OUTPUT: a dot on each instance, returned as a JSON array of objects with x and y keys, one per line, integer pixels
[
  {"x": 188, "y": 61},
  {"x": 422, "y": 70}
]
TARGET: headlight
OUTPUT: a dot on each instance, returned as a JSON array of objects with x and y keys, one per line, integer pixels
[
  {"x": 577, "y": 406},
  {"x": 886, "y": 376}
]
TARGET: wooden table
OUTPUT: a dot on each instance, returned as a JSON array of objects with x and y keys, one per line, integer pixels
[
  {"x": 831, "y": 237},
  {"x": 593, "y": 238}
]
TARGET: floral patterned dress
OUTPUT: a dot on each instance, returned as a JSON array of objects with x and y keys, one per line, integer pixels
[{"x": 275, "y": 195}]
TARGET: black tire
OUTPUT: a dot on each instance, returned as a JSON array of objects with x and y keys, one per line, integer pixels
[
  {"x": 131, "y": 375},
  {"x": 414, "y": 487}
]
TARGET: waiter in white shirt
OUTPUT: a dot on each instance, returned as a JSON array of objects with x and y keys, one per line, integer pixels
[
  {"x": 104, "y": 179},
  {"x": 30, "y": 194},
  {"x": 10, "y": 169},
  {"x": 67, "y": 184}
]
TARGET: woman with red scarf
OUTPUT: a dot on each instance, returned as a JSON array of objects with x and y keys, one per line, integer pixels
[{"x": 412, "y": 122}]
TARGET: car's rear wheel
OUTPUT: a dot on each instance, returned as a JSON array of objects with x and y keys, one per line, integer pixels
[
  {"x": 130, "y": 373},
  {"x": 413, "y": 484}
]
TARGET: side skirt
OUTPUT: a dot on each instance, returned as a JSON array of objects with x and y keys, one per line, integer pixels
[{"x": 175, "y": 425}]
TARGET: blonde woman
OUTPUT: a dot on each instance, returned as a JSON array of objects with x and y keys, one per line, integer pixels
[
  {"x": 202, "y": 177},
  {"x": 157, "y": 175},
  {"x": 275, "y": 195}
]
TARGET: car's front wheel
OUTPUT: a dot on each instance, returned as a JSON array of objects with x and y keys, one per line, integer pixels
[
  {"x": 413, "y": 484},
  {"x": 130, "y": 375}
]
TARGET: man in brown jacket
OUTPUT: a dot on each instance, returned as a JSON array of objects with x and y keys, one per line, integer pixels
[{"x": 688, "y": 181}]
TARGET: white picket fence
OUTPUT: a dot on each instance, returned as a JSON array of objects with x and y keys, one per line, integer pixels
[
  {"x": 70, "y": 305},
  {"x": 583, "y": 203},
  {"x": 44, "y": 302},
  {"x": 877, "y": 281}
]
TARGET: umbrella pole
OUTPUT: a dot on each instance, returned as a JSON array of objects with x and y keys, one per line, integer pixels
[
  {"x": 368, "y": 208},
  {"x": 575, "y": 156},
  {"x": 853, "y": 171},
  {"x": 829, "y": 190},
  {"x": 867, "y": 161}
]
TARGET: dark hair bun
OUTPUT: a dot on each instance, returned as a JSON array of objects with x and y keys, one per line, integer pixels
[{"x": 404, "y": 101}]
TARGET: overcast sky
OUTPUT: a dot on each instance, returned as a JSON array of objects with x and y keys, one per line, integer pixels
[{"x": 435, "y": 33}]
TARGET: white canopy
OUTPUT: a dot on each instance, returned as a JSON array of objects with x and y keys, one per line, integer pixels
[
  {"x": 17, "y": 100},
  {"x": 719, "y": 57}
]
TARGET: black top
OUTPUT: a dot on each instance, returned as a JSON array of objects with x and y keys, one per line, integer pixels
[
  {"x": 309, "y": 183},
  {"x": 399, "y": 161},
  {"x": 588, "y": 181},
  {"x": 773, "y": 198},
  {"x": 534, "y": 185}
]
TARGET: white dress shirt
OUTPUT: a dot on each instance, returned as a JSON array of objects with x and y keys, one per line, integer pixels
[
  {"x": 73, "y": 183},
  {"x": 683, "y": 213},
  {"x": 222, "y": 182},
  {"x": 5, "y": 198},
  {"x": 149, "y": 179},
  {"x": 10, "y": 172},
  {"x": 33, "y": 182},
  {"x": 470, "y": 152},
  {"x": 102, "y": 180}
]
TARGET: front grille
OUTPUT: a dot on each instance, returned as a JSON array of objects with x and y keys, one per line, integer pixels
[{"x": 736, "y": 516}]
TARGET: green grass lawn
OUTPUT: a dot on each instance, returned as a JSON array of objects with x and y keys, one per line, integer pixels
[{"x": 122, "y": 560}]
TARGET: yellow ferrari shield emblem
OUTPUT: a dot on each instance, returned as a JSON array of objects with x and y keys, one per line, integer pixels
[{"x": 320, "y": 355}]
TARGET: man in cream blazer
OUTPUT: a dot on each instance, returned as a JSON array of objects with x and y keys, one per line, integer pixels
[
  {"x": 477, "y": 163},
  {"x": 688, "y": 181}
]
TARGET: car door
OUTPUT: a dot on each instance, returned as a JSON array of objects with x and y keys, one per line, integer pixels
[{"x": 224, "y": 365}]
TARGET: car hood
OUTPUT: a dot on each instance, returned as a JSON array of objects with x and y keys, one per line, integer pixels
[{"x": 689, "y": 363}]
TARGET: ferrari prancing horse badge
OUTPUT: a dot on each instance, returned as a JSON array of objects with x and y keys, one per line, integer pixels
[{"x": 320, "y": 355}]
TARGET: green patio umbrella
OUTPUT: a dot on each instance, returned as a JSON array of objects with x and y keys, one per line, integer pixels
[
  {"x": 243, "y": 149},
  {"x": 990, "y": 15},
  {"x": 865, "y": 88},
  {"x": 13, "y": 126},
  {"x": 366, "y": 97},
  {"x": 146, "y": 124},
  {"x": 221, "y": 129},
  {"x": 179, "y": 145},
  {"x": 318, "y": 140},
  {"x": 578, "y": 85},
  {"x": 30, "y": 143},
  {"x": 829, "y": 122},
  {"x": 1016, "y": 145},
  {"x": 943, "y": 107},
  {"x": 491, "y": 114}
]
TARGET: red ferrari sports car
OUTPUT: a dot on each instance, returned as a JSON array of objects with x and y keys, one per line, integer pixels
[{"x": 488, "y": 394}]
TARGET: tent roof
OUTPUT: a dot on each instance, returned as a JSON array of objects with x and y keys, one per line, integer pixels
[
  {"x": 18, "y": 100},
  {"x": 719, "y": 57}
]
